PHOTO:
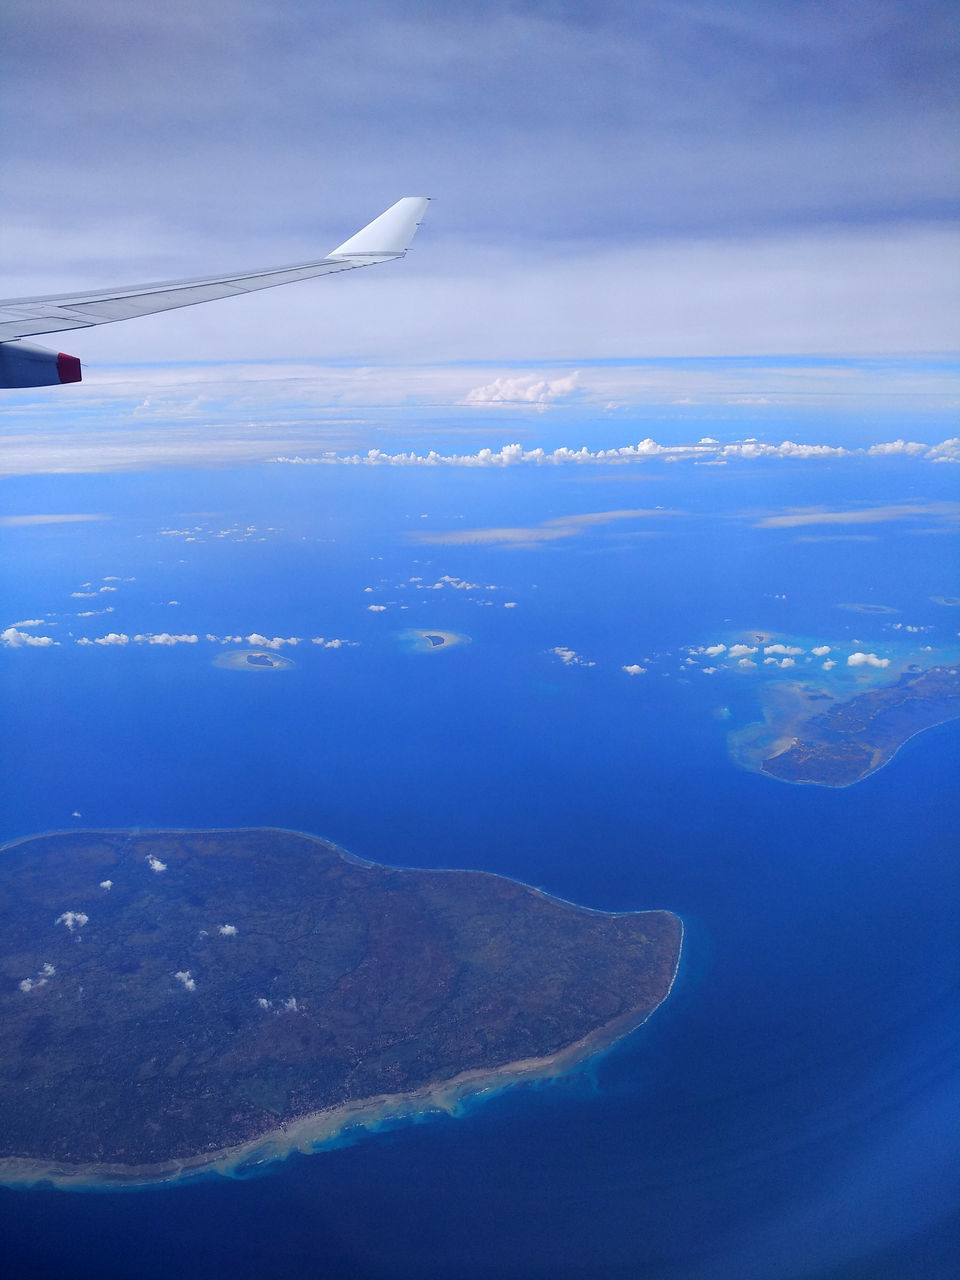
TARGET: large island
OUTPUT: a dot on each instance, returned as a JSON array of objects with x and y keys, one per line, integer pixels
[
  {"x": 175, "y": 1002},
  {"x": 840, "y": 745}
]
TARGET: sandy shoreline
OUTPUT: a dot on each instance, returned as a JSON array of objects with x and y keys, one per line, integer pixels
[{"x": 310, "y": 1133}]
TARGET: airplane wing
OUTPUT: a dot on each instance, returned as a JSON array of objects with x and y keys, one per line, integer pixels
[{"x": 382, "y": 240}]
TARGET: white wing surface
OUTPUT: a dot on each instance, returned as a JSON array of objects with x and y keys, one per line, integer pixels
[{"x": 382, "y": 240}]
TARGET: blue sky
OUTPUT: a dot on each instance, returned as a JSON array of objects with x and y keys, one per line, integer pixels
[{"x": 637, "y": 181}]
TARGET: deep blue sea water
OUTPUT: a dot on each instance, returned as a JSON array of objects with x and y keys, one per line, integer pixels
[{"x": 791, "y": 1111}]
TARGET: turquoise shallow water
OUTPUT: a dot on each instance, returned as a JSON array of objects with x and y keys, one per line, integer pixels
[{"x": 790, "y": 1111}]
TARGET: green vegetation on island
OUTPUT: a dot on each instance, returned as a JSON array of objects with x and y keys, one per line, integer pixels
[{"x": 175, "y": 1001}]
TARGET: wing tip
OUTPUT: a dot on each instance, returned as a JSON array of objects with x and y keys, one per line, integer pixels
[{"x": 389, "y": 235}]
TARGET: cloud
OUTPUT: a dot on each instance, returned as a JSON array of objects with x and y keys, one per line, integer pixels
[
  {"x": 25, "y": 521},
  {"x": 741, "y": 650},
  {"x": 155, "y": 864},
  {"x": 73, "y": 920},
  {"x": 547, "y": 531},
  {"x": 820, "y": 650},
  {"x": 165, "y": 638},
  {"x": 275, "y": 642},
  {"x": 30, "y": 622},
  {"x": 714, "y": 650},
  {"x": 861, "y": 515},
  {"x": 376, "y": 608},
  {"x": 634, "y": 669},
  {"x": 111, "y": 638},
  {"x": 570, "y": 658},
  {"x": 789, "y": 650},
  {"x": 867, "y": 660},
  {"x": 11, "y": 638},
  {"x": 829, "y": 664},
  {"x": 782, "y": 662},
  {"x": 291, "y": 1004},
  {"x": 184, "y": 976},
  {"x": 746, "y": 664},
  {"x": 96, "y": 613},
  {"x": 525, "y": 391},
  {"x": 106, "y": 884},
  {"x": 334, "y": 643},
  {"x": 228, "y": 930}
]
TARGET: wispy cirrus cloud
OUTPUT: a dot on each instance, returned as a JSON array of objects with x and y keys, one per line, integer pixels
[
  {"x": 526, "y": 535},
  {"x": 947, "y": 511}
]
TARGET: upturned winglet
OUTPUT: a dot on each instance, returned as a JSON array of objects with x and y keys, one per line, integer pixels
[{"x": 389, "y": 235}]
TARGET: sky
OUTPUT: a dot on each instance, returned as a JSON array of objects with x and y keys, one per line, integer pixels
[{"x": 632, "y": 182}]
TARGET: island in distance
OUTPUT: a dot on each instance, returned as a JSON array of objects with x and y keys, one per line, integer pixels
[
  {"x": 838, "y": 743},
  {"x": 175, "y": 1002}
]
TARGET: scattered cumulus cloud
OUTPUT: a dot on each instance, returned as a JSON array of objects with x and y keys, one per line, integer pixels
[
  {"x": 790, "y": 650},
  {"x": 106, "y": 884},
  {"x": 741, "y": 650},
  {"x": 13, "y": 638},
  {"x": 570, "y": 658},
  {"x": 272, "y": 642},
  {"x": 860, "y": 659},
  {"x": 155, "y": 864},
  {"x": 72, "y": 920},
  {"x": 523, "y": 391},
  {"x": 714, "y": 650},
  {"x": 184, "y": 976},
  {"x": 376, "y": 608},
  {"x": 634, "y": 669},
  {"x": 228, "y": 930},
  {"x": 820, "y": 650}
]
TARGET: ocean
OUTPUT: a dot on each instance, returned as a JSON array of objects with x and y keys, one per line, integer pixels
[{"x": 791, "y": 1110}]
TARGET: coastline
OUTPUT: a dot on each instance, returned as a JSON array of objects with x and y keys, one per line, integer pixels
[{"x": 310, "y": 1133}]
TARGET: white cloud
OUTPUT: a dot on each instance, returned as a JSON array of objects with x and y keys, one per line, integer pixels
[
  {"x": 746, "y": 664},
  {"x": 829, "y": 664},
  {"x": 48, "y": 970},
  {"x": 291, "y": 1004},
  {"x": 82, "y": 595},
  {"x": 509, "y": 604},
  {"x": 155, "y": 864},
  {"x": 820, "y": 650},
  {"x": 263, "y": 1002},
  {"x": 12, "y": 522},
  {"x": 11, "y": 638},
  {"x": 523, "y": 391},
  {"x": 741, "y": 650},
  {"x": 112, "y": 638},
  {"x": 714, "y": 650},
  {"x": 790, "y": 650},
  {"x": 570, "y": 658},
  {"x": 276, "y": 642},
  {"x": 184, "y": 976},
  {"x": 867, "y": 660},
  {"x": 106, "y": 884},
  {"x": 29, "y": 622},
  {"x": 95, "y": 613},
  {"x": 165, "y": 638},
  {"x": 376, "y": 608},
  {"x": 228, "y": 930},
  {"x": 634, "y": 669},
  {"x": 73, "y": 919}
]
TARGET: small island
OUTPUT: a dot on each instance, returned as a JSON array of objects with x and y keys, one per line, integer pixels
[
  {"x": 179, "y": 1002},
  {"x": 849, "y": 740},
  {"x": 252, "y": 660},
  {"x": 422, "y": 641}
]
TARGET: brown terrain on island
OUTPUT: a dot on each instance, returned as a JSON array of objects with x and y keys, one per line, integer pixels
[
  {"x": 170, "y": 1000},
  {"x": 843, "y": 744}
]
